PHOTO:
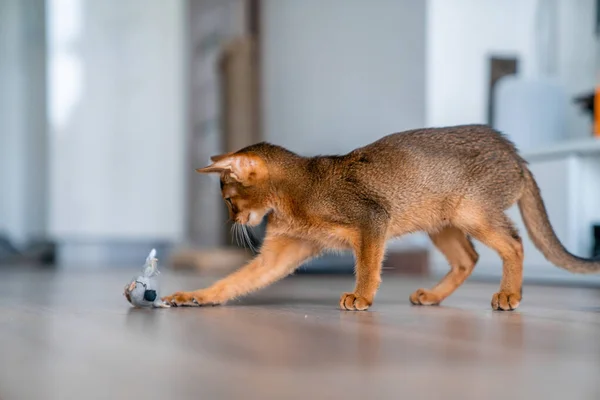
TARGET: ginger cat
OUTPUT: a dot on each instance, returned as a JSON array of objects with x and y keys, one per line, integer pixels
[{"x": 453, "y": 183}]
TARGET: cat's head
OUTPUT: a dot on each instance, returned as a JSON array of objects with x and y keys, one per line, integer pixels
[{"x": 244, "y": 185}]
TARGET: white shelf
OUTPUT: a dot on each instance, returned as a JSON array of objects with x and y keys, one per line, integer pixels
[{"x": 586, "y": 147}]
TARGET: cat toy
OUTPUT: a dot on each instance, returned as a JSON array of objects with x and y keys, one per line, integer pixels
[{"x": 143, "y": 291}]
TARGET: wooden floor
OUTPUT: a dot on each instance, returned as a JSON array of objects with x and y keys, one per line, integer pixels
[{"x": 73, "y": 336}]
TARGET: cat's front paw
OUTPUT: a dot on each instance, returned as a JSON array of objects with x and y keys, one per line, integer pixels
[
  {"x": 353, "y": 302},
  {"x": 191, "y": 299}
]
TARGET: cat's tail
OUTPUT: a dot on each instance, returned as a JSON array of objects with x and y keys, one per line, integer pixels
[{"x": 543, "y": 236}]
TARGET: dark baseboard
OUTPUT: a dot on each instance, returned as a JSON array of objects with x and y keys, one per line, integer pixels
[{"x": 407, "y": 262}]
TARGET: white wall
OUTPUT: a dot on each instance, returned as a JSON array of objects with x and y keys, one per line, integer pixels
[
  {"x": 460, "y": 36},
  {"x": 462, "y": 33},
  {"x": 22, "y": 119},
  {"x": 117, "y": 111},
  {"x": 338, "y": 74}
]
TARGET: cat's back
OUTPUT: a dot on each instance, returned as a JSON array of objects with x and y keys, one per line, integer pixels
[
  {"x": 466, "y": 147},
  {"x": 463, "y": 139},
  {"x": 408, "y": 172},
  {"x": 446, "y": 161}
]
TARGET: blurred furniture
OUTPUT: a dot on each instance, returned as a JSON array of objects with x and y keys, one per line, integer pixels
[
  {"x": 239, "y": 85},
  {"x": 532, "y": 112},
  {"x": 224, "y": 117},
  {"x": 240, "y": 100},
  {"x": 586, "y": 104},
  {"x": 33, "y": 252},
  {"x": 217, "y": 261},
  {"x": 212, "y": 25}
]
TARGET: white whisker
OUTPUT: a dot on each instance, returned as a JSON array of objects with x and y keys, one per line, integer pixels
[
  {"x": 244, "y": 239},
  {"x": 252, "y": 235},
  {"x": 248, "y": 240},
  {"x": 237, "y": 233},
  {"x": 244, "y": 236},
  {"x": 240, "y": 236}
]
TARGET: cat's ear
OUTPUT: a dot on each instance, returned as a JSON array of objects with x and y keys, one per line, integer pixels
[
  {"x": 242, "y": 167},
  {"x": 220, "y": 164},
  {"x": 220, "y": 157}
]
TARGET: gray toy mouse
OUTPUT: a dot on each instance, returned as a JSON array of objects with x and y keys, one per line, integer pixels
[{"x": 143, "y": 290}]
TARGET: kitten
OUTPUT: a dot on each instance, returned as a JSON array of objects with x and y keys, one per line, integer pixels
[{"x": 453, "y": 183}]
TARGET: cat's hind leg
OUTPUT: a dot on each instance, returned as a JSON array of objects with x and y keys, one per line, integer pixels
[
  {"x": 462, "y": 257},
  {"x": 497, "y": 231}
]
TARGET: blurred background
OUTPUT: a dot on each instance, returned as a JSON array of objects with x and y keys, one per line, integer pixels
[{"x": 106, "y": 108}]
